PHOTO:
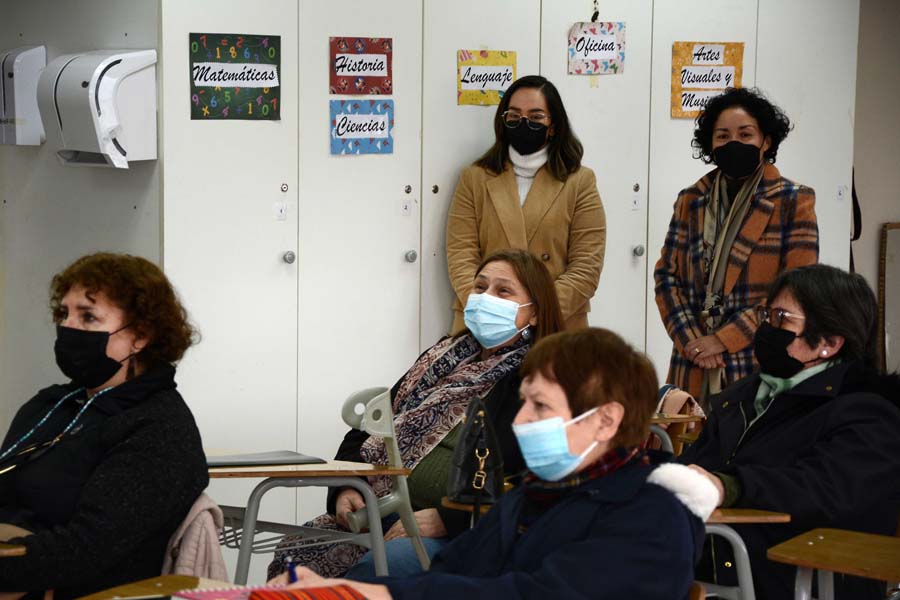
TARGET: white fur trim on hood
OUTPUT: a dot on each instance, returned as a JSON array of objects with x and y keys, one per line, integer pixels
[{"x": 694, "y": 490}]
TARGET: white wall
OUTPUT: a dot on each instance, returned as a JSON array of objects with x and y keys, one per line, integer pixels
[
  {"x": 877, "y": 135},
  {"x": 50, "y": 214}
]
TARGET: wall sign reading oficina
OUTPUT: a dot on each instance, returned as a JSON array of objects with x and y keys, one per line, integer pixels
[
  {"x": 482, "y": 76},
  {"x": 235, "y": 76},
  {"x": 597, "y": 48},
  {"x": 701, "y": 70}
]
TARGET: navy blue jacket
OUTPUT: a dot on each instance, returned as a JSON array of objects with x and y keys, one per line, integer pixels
[
  {"x": 611, "y": 538},
  {"x": 827, "y": 452}
]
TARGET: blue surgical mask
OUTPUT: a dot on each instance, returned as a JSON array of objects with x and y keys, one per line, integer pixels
[
  {"x": 492, "y": 320},
  {"x": 545, "y": 446}
]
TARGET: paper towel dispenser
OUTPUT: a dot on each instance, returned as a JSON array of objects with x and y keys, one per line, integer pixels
[
  {"x": 99, "y": 108},
  {"x": 20, "y": 121}
]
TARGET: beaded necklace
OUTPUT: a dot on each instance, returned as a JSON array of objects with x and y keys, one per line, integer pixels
[{"x": 43, "y": 420}]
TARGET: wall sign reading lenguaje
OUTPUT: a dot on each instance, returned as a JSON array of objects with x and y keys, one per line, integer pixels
[
  {"x": 235, "y": 76},
  {"x": 701, "y": 70},
  {"x": 482, "y": 76}
]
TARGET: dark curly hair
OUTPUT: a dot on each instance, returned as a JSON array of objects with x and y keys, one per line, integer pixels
[
  {"x": 771, "y": 119},
  {"x": 142, "y": 291}
]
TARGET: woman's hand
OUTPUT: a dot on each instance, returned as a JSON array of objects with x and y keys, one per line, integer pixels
[
  {"x": 705, "y": 352},
  {"x": 348, "y": 500},
  {"x": 715, "y": 481},
  {"x": 429, "y": 523},
  {"x": 310, "y": 579}
]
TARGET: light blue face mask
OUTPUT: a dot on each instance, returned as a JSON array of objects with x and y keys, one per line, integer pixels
[
  {"x": 545, "y": 446},
  {"x": 492, "y": 320}
]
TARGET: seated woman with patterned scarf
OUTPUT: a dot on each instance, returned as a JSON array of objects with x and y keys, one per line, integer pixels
[{"x": 512, "y": 305}]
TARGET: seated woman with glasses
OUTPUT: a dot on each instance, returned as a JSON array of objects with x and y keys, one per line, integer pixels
[
  {"x": 816, "y": 434},
  {"x": 530, "y": 191},
  {"x": 97, "y": 474},
  {"x": 596, "y": 517}
]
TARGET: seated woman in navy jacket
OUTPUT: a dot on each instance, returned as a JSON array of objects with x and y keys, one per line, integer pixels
[
  {"x": 815, "y": 434},
  {"x": 596, "y": 517},
  {"x": 96, "y": 474}
]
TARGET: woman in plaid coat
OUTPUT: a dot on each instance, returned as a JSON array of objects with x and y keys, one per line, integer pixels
[{"x": 730, "y": 236}]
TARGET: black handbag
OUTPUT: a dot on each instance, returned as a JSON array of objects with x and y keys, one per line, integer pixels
[{"x": 476, "y": 474}]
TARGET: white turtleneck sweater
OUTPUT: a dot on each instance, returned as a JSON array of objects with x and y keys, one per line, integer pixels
[{"x": 526, "y": 167}]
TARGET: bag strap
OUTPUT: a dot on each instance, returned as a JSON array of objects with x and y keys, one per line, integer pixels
[
  {"x": 857, "y": 220},
  {"x": 480, "y": 476}
]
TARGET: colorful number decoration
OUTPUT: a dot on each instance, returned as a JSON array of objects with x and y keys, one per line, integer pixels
[{"x": 235, "y": 76}]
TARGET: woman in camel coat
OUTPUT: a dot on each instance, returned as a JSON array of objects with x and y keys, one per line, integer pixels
[{"x": 529, "y": 191}]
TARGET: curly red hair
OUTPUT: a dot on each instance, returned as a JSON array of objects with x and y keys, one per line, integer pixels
[{"x": 142, "y": 291}]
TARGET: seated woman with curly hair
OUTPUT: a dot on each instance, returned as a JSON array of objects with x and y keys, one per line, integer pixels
[{"x": 97, "y": 474}]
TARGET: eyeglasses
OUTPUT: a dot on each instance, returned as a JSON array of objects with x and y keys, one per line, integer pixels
[
  {"x": 514, "y": 119},
  {"x": 775, "y": 316},
  {"x": 27, "y": 455}
]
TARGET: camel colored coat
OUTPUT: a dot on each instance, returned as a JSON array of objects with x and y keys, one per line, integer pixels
[{"x": 562, "y": 223}]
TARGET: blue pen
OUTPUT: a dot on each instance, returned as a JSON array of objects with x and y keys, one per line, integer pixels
[{"x": 292, "y": 575}]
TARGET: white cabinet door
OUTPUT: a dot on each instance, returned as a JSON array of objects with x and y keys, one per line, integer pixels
[
  {"x": 454, "y": 136},
  {"x": 609, "y": 114},
  {"x": 359, "y": 296},
  {"x": 813, "y": 79},
  {"x": 672, "y": 166},
  {"x": 224, "y": 243}
]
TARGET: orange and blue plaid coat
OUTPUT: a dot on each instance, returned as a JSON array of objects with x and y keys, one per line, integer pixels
[{"x": 778, "y": 233}]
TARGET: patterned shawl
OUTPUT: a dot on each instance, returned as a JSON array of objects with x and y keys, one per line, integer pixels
[{"x": 434, "y": 395}]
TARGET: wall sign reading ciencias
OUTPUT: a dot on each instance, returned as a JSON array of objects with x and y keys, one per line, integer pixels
[
  {"x": 701, "y": 70},
  {"x": 235, "y": 76},
  {"x": 360, "y": 66},
  {"x": 362, "y": 126}
]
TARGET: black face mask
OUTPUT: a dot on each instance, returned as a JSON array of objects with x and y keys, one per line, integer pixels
[
  {"x": 81, "y": 356},
  {"x": 770, "y": 347},
  {"x": 525, "y": 139},
  {"x": 737, "y": 159}
]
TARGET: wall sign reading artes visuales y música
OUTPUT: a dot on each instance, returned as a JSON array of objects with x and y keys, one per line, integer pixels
[{"x": 235, "y": 76}]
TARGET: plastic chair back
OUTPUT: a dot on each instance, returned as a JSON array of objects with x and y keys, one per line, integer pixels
[{"x": 370, "y": 410}]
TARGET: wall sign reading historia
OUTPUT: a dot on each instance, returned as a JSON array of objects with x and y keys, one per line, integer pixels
[
  {"x": 360, "y": 66},
  {"x": 597, "y": 48},
  {"x": 701, "y": 70},
  {"x": 361, "y": 126},
  {"x": 235, "y": 76},
  {"x": 484, "y": 75}
]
